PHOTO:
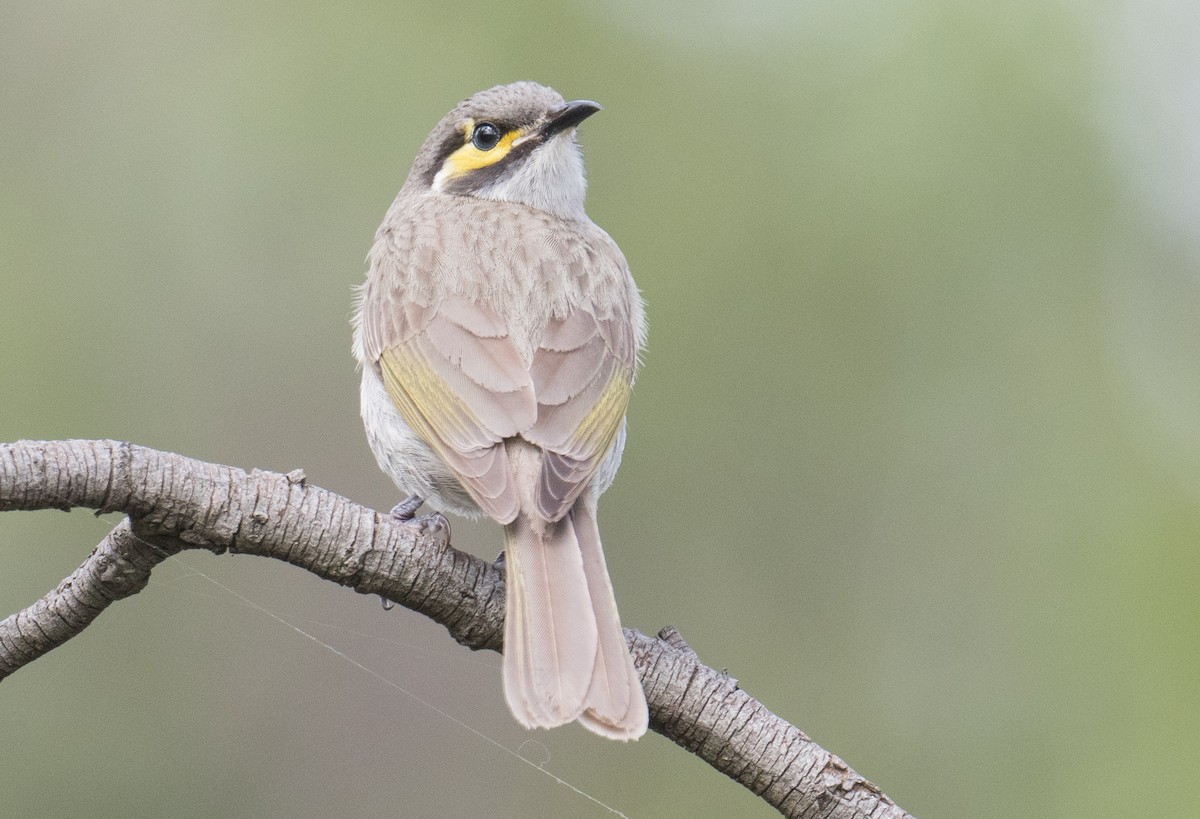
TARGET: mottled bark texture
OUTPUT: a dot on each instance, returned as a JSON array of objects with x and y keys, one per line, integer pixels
[{"x": 175, "y": 503}]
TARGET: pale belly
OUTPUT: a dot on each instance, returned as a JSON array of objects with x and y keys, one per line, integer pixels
[{"x": 404, "y": 457}]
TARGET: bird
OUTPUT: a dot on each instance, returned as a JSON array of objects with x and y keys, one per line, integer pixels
[{"x": 499, "y": 332}]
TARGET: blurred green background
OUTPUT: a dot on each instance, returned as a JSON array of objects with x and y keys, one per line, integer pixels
[{"x": 914, "y": 454}]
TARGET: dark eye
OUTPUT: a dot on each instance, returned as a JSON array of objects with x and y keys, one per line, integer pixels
[{"x": 485, "y": 136}]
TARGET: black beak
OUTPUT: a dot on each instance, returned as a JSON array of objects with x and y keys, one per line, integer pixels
[{"x": 569, "y": 116}]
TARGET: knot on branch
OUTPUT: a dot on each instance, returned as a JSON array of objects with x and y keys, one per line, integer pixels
[{"x": 120, "y": 575}]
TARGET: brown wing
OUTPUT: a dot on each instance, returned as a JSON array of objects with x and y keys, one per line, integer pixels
[
  {"x": 459, "y": 382},
  {"x": 582, "y": 375}
]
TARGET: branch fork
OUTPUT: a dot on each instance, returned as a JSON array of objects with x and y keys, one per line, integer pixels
[{"x": 173, "y": 503}]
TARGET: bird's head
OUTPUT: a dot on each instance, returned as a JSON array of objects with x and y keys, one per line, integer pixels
[{"x": 514, "y": 143}]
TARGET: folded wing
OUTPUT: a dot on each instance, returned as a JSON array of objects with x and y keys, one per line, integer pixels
[
  {"x": 459, "y": 381},
  {"x": 582, "y": 374}
]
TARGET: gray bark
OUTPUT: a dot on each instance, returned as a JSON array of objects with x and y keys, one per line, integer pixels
[{"x": 174, "y": 503}]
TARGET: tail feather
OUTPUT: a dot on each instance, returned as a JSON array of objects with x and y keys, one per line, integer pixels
[
  {"x": 550, "y": 631},
  {"x": 616, "y": 705},
  {"x": 565, "y": 656}
]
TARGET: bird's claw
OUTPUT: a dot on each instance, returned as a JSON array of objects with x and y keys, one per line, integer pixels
[{"x": 435, "y": 524}]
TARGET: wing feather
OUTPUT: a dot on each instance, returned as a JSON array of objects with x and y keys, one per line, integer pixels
[
  {"x": 459, "y": 382},
  {"x": 582, "y": 384}
]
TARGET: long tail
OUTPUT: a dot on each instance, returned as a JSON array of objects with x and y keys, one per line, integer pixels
[
  {"x": 565, "y": 656},
  {"x": 616, "y": 704}
]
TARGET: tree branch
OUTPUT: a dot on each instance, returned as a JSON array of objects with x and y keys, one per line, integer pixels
[{"x": 175, "y": 503}]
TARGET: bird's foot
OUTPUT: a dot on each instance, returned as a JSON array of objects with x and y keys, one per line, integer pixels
[
  {"x": 432, "y": 524},
  {"x": 407, "y": 508},
  {"x": 435, "y": 524}
]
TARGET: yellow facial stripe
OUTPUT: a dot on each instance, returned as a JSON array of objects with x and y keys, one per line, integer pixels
[{"x": 469, "y": 158}]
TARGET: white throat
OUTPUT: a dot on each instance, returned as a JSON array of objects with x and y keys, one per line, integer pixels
[{"x": 551, "y": 178}]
